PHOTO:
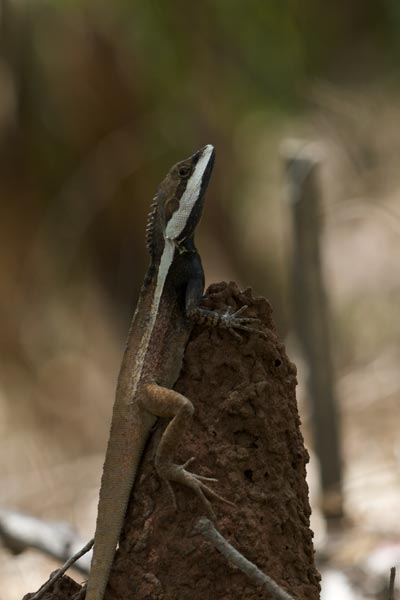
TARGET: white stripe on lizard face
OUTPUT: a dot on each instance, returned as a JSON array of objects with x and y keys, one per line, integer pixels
[
  {"x": 165, "y": 263},
  {"x": 179, "y": 219}
]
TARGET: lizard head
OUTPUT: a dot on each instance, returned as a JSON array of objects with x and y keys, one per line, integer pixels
[{"x": 178, "y": 203}]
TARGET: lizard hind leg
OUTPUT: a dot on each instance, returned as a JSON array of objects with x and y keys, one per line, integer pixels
[{"x": 167, "y": 403}]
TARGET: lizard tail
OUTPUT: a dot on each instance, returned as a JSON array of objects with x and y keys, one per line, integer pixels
[{"x": 120, "y": 467}]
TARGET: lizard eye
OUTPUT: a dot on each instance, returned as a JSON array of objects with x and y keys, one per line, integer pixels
[{"x": 184, "y": 171}]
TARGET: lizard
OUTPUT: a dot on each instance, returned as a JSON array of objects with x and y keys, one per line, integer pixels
[{"x": 167, "y": 309}]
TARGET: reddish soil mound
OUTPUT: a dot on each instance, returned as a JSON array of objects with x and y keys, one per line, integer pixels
[{"x": 246, "y": 433}]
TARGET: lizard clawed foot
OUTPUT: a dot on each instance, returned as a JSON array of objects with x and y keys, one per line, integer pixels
[
  {"x": 195, "y": 482},
  {"x": 232, "y": 321},
  {"x": 199, "y": 477}
]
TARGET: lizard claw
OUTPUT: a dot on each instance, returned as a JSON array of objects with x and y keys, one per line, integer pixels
[
  {"x": 200, "y": 477},
  {"x": 196, "y": 483},
  {"x": 233, "y": 321},
  {"x": 188, "y": 462},
  {"x": 239, "y": 311},
  {"x": 235, "y": 334}
]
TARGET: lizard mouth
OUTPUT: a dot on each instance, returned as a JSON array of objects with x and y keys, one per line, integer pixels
[
  {"x": 208, "y": 149},
  {"x": 209, "y": 153},
  {"x": 210, "y": 163}
]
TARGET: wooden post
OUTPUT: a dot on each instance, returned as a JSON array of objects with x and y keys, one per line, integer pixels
[{"x": 311, "y": 317}]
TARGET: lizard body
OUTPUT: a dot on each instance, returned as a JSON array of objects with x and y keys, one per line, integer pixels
[{"x": 167, "y": 308}]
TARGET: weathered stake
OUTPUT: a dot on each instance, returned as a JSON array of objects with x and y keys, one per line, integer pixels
[
  {"x": 311, "y": 317},
  {"x": 391, "y": 583}
]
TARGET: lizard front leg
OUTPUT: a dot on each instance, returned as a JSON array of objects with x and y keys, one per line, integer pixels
[
  {"x": 167, "y": 403},
  {"x": 230, "y": 320}
]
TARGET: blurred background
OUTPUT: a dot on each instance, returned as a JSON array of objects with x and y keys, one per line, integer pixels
[{"x": 97, "y": 101}]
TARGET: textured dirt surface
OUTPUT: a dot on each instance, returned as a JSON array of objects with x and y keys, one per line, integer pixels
[
  {"x": 65, "y": 588},
  {"x": 246, "y": 433}
]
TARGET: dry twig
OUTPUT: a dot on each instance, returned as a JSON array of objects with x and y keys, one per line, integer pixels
[
  {"x": 57, "y": 539},
  {"x": 60, "y": 572},
  {"x": 208, "y": 531}
]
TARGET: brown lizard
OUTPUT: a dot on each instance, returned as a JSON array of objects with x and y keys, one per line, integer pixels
[{"x": 168, "y": 307}]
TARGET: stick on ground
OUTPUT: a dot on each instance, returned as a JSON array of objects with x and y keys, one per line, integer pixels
[
  {"x": 60, "y": 572},
  {"x": 207, "y": 530},
  {"x": 19, "y": 532}
]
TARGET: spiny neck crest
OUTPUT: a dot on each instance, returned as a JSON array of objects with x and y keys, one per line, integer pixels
[{"x": 150, "y": 223}]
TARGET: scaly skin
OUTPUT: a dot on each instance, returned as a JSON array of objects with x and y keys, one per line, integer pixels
[{"x": 167, "y": 308}]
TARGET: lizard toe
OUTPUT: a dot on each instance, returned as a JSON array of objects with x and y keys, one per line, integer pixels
[{"x": 196, "y": 483}]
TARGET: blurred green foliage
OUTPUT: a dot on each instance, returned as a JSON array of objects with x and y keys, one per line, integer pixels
[{"x": 99, "y": 98}]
